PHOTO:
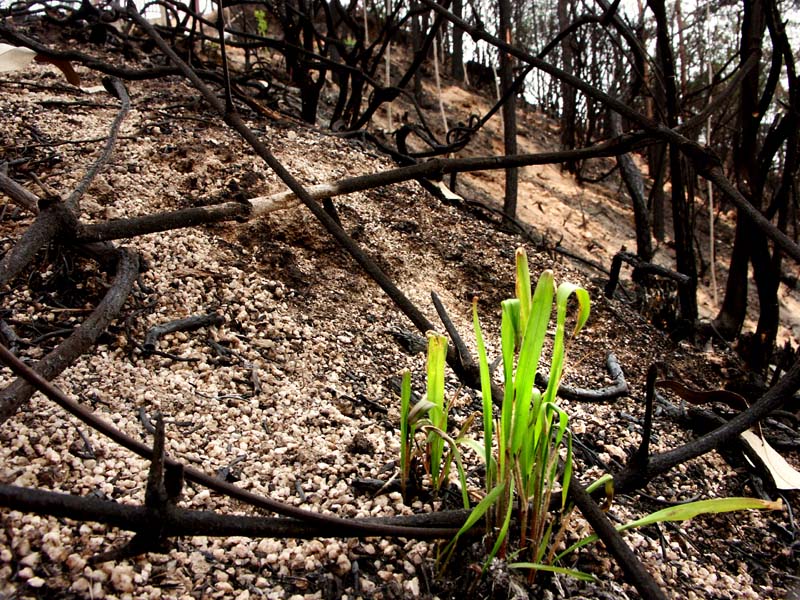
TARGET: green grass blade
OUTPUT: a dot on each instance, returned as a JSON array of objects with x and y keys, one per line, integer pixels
[
  {"x": 476, "y": 515},
  {"x": 507, "y": 340},
  {"x": 437, "y": 352},
  {"x": 539, "y": 567},
  {"x": 532, "y": 342},
  {"x": 405, "y": 442},
  {"x": 501, "y": 535},
  {"x": 684, "y": 512},
  {"x": 523, "y": 287},
  {"x": 486, "y": 396},
  {"x": 565, "y": 290},
  {"x": 567, "y": 478}
]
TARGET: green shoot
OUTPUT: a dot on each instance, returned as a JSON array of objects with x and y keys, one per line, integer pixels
[{"x": 437, "y": 352}]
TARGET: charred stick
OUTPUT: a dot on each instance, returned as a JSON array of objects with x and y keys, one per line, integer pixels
[
  {"x": 633, "y": 477},
  {"x": 165, "y": 221},
  {"x": 116, "y": 88},
  {"x": 187, "y": 324},
  {"x": 182, "y": 522},
  {"x": 462, "y": 353},
  {"x": 617, "y": 390},
  {"x": 9, "y": 336},
  {"x": 47, "y": 225},
  {"x": 21, "y": 196},
  {"x": 631, "y": 565}
]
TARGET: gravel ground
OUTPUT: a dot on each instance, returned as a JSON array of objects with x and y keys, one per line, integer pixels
[{"x": 290, "y": 397}]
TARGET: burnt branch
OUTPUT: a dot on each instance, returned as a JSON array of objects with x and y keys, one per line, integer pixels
[
  {"x": 632, "y": 566},
  {"x": 114, "y": 87},
  {"x": 18, "y": 194},
  {"x": 634, "y": 477},
  {"x": 189, "y": 217},
  {"x": 640, "y": 267},
  {"x": 612, "y": 392},
  {"x": 182, "y": 522}
]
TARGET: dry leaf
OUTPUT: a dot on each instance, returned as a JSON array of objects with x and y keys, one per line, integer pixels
[
  {"x": 783, "y": 474},
  {"x": 14, "y": 58}
]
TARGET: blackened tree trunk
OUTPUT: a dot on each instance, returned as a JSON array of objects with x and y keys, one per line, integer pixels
[
  {"x": 568, "y": 92},
  {"x": 635, "y": 186},
  {"x": 457, "y": 63},
  {"x": 681, "y": 207},
  {"x": 731, "y": 316},
  {"x": 509, "y": 110}
]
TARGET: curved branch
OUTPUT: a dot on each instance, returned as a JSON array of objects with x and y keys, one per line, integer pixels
[
  {"x": 18, "y": 392},
  {"x": 635, "y": 476},
  {"x": 439, "y": 167},
  {"x": 617, "y": 390}
]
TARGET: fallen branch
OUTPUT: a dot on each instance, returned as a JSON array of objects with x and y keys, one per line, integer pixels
[
  {"x": 631, "y": 565},
  {"x": 636, "y": 475},
  {"x": 165, "y": 221},
  {"x": 182, "y": 522},
  {"x": 18, "y": 194},
  {"x": 640, "y": 268}
]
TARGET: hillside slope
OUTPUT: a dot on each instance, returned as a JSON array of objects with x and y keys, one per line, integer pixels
[{"x": 290, "y": 397}]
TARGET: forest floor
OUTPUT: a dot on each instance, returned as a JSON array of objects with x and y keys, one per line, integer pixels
[{"x": 291, "y": 397}]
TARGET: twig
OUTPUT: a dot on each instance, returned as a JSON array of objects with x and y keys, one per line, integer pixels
[
  {"x": 187, "y": 324},
  {"x": 182, "y": 522},
  {"x": 20, "y": 195},
  {"x": 116, "y": 88},
  {"x": 634, "y": 477},
  {"x": 617, "y": 390},
  {"x": 632, "y": 566},
  {"x": 640, "y": 267}
]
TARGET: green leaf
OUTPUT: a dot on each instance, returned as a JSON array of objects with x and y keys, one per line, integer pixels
[
  {"x": 685, "y": 512},
  {"x": 565, "y": 290},
  {"x": 419, "y": 411},
  {"x": 529, "y": 356},
  {"x": 523, "y": 287},
  {"x": 437, "y": 353},
  {"x": 405, "y": 442},
  {"x": 476, "y": 515}
]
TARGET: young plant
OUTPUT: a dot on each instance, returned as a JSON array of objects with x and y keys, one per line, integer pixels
[
  {"x": 262, "y": 22},
  {"x": 532, "y": 428},
  {"x": 522, "y": 450},
  {"x": 429, "y": 415}
]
